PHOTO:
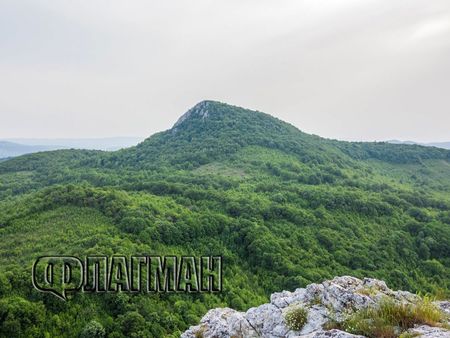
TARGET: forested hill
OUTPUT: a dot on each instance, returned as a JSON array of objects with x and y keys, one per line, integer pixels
[
  {"x": 284, "y": 208},
  {"x": 213, "y": 131}
]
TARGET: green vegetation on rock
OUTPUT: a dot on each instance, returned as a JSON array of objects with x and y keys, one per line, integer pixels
[
  {"x": 389, "y": 319},
  {"x": 296, "y": 318}
]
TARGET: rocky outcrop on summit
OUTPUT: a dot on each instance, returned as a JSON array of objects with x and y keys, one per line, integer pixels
[
  {"x": 200, "y": 109},
  {"x": 330, "y": 301}
]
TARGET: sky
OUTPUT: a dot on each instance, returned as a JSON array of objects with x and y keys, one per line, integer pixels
[{"x": 345, "y": 69}]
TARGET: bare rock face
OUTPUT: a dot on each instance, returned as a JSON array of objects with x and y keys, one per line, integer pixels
[
  {"x": 425, "y": 331},
  {"x": 444, "y": 306},
  {"x": 330, "y": 300},
  {"x": 200, "y": 109}
]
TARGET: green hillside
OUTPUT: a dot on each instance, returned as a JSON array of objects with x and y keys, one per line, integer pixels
[{"x": 284, "y": 208}]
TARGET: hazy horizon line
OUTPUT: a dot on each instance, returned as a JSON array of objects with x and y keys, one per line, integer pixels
[{"x": 130, "y": 137}]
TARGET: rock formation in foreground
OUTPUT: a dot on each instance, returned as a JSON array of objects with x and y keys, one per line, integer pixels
[{"x": 326, "y": 310}]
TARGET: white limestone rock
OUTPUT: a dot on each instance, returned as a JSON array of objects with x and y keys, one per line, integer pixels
[
  {"x": 425, "y": 331},
  {"x": 330, "y": 300},
  {"x": 200, "y": 109}
]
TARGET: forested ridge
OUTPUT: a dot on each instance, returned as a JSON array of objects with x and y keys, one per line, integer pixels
[{"x": 283, "y": 207}]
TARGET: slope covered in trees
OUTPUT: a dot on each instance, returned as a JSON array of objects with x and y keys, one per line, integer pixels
[{"x": 283, "y": 207}]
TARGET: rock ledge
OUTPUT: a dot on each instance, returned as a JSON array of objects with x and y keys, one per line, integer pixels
[{"x": 330, "y": 300}]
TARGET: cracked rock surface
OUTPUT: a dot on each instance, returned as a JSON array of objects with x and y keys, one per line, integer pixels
[{"x": 330, "y": 300}]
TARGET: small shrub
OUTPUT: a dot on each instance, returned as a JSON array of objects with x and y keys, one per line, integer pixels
[
  {"x": 367, "y": 291},
  {"x": 200, "y": 333},
  {"x": 296, "y": 318},
  {"x": 316, "y": 300}
]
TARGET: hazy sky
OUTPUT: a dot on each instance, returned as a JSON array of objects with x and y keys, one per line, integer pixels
[{"x": 346, "y": 69}]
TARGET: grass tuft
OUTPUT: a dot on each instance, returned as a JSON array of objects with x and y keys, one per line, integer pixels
[
  {"x": 296, "y": 318},
  {"x": 390, "y": 319}
]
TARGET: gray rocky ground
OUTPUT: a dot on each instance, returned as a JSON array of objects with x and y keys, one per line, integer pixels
[{"x": 330, "y": 300}]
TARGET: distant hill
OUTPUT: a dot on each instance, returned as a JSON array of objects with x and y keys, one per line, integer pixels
[
  {"x": 11, "y": 149},
  {"x": 22, "y": 146},
  {"x": 443, "y": 145}
]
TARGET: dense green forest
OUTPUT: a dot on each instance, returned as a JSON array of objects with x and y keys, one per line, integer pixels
[{"x": 282, "y": 207}]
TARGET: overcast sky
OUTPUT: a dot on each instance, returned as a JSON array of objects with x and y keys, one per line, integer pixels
[{"x": 345, "y": 69}]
